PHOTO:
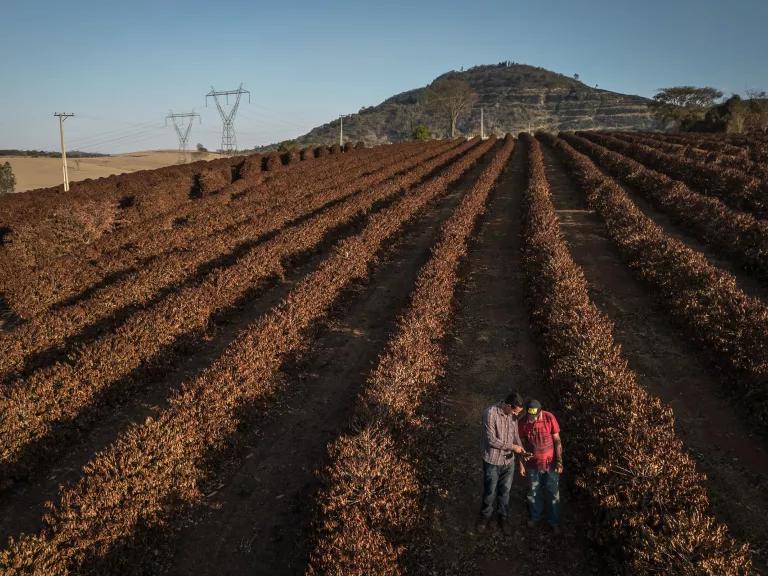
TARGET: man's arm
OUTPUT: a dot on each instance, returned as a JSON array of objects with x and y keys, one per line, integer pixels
[
  {"x": 558, "y": 453},
  {"x": 493, "y": 439}
]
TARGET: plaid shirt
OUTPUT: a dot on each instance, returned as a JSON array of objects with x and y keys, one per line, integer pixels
[{"x": 499, "y": 436}]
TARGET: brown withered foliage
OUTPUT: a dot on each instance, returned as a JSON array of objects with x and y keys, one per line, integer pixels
[
  {"x": 154, "y": 470},
  {"x": 325, "y": 183},
  {"x": 701, "y": 141},
  {"x": 129, "y": 248},
  {"x": 272, "y": 162},
  {"x": 352, "y": 536},
  {"x": 703, "y": 298},
  {"x": 738, "y": 190},
  {"x": 731, "y": 232},
  {"x": 739, "y": 160},
  {"x": 48, "y": 403},
  {"x": 650, "y": 503}
]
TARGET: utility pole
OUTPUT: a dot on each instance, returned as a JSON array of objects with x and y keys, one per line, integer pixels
[
  {"x": 179, "y": 122},
  {"x": 63, "y": 116},
  {"x": 228, "y": 139},
  {"x": 482, "y": 125},
  {"x": 341, "y": 128}
]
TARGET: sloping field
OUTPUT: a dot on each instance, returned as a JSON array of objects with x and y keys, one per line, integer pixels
[
  {"x": 33, "y": 173},
  {"x": 277, "y": 365}
]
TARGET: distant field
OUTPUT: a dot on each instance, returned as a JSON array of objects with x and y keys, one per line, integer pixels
[{"x": 34, "y": 173}]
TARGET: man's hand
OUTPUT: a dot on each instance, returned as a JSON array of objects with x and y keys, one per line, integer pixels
[
  {"x": 521, "y": 469},
  {"x": 559, "y": 467}
]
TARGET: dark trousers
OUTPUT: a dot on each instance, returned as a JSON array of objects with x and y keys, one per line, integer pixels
[
  {"x": 497, "y": 482},
  {"x": 544, "y": 486}
]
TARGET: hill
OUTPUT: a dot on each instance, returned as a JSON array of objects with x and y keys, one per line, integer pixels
[{"x": 515, "y": 98}]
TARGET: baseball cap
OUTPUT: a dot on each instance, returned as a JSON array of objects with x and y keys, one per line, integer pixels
[{"x": 533, "y": 407}]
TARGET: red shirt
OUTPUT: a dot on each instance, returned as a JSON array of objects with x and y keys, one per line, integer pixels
[{"x": 537, "y": 438}]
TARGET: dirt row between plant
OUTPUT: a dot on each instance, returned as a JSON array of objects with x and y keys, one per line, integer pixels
[
  {"x": 258, "y": 520},
  {"x": 670, "y": 366},
  {"x": 157, "y": 470},
  {"x": 48, "y": 337},
  {"x": 491, "y": 353},
  {"x": 43, "y": 410},
  {"x": 72, "y": 278}
]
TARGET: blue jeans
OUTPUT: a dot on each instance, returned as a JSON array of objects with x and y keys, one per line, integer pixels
[
  {"x": 497, "y": 482},
  {"x": 541, "y": 483}
]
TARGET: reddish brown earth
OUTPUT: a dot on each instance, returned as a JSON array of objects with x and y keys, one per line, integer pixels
[
  {"x": 257, "y": 515},
  {"x": 492, "y": 353},
  {"x": 727, "y": 450},
  {"x": 258, "y": 520}
]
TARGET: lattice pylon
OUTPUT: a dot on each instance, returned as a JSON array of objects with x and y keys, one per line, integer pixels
[
  {"x": 182, "y": 123},
  {"x": 228, "y": 137}
]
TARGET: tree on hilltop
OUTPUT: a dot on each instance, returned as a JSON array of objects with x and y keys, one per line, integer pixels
[{"x": 450, "y": 97}]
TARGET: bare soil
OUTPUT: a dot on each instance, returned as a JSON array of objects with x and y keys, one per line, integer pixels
[
  {"x": 492, "y": 353},
  {"x": 22, "y": 504},
  {"x": 258, "y": 520},
  {"x": 668, "y": 364}
]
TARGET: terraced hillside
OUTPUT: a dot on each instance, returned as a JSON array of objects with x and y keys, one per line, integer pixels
[{"x": 515, "y": 98}]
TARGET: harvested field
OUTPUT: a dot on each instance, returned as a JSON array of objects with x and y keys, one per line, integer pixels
[{"x": 277, "y": 365}]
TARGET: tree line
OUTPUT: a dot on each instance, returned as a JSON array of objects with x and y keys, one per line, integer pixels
[{"x": 702, "y": 109}]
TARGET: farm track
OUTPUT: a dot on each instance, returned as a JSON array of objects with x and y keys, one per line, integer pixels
[
  {"x": 492, "y": 352},
  {"x": 53, "y": 403},
  {"x": 154, "y": 471},
  {"x": 734, "y": 241},
  {"x": 217, "y": 218},
  {"x": 52, "y": 336},
  {"x": 668, "y": 365},
  {"x": 258, "y": 521},
  {"x": 737, "y": 190}
]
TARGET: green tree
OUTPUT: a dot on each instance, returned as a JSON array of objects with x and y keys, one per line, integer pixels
[
  {"x": 7, "y": 179},
  {"x": 684, "y": 105},
  {"x": 287, "y": 146},
  {"x": 450, "y": 97},
  {"x": 201, "y": 148},
  {"x": 421, "y": 132}
]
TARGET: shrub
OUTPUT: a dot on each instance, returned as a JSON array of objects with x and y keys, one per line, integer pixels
[
  {"x": 422, "y": 133},
  {"x": 7, "y": 179}
]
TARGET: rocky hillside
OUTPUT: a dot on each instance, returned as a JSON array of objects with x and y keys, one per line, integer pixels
[{"x": 515, "y": 98}]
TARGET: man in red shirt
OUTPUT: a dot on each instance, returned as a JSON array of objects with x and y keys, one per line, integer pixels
[{"x": 540, "y": 434}]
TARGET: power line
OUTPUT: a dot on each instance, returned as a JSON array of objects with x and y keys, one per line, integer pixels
[{"x": 113, "y": 135}]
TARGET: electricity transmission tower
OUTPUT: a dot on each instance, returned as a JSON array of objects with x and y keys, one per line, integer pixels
[
  {"x": 182, "y": 123},
  {"x": 63, "y": 116},
  {"x": 228, "y": 138}
]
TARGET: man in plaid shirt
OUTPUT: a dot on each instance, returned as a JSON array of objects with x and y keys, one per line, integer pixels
[{"x": 501, "y": 441}]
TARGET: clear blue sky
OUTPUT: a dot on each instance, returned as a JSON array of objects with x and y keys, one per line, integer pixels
[{"x": 120, "y": 66}]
